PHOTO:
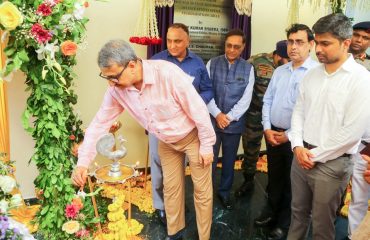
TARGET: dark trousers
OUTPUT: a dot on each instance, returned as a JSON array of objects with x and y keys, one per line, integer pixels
[
  {"x": 230, "y": 145},
  {"x": 251, "y": 144},
  {"x": 279, "y": 160}
]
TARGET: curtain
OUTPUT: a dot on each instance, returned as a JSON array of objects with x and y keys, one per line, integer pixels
[
  {"x": 4, "y": 118},
  {"x": 164, "y": 17},
  {"x": 244, "y": 23}
]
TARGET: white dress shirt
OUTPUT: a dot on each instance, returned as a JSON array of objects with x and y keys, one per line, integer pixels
[{"x": 332, "y": 111}]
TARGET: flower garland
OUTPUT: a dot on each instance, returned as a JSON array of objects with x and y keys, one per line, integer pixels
[
  {"x": 139, "y": 197},
  {"x": 118, "y": 227},
  {"x": 243, "y": 7},
  {"x": 146, "y": 31},
  {"x": 42, "y": 42}
]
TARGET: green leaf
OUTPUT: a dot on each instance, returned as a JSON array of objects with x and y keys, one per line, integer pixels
[
  {"x": 46, "y": 194},
  {"x": 55, "y": 132},
  {"x": 44, "y": 209},
  {"x": 23, "y": 56},
  {"x": 26, "y": 121}
]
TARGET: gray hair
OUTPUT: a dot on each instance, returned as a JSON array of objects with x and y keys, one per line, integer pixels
[
  {"x": 115, "y": 51},
  {"x": 338, "y": 24}
]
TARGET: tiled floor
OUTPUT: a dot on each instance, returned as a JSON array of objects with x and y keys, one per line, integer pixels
[{"x": 227, "y": 225}]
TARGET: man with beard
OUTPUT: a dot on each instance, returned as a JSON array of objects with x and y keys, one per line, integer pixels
[
  {"x": 278, "y": 104},
  {"x": 330, "y": 116}
]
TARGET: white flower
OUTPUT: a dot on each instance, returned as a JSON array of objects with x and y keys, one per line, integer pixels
[
  {"x": 65, "y": 18},
  {"x": 47, "y": 49},
  {"x": 23, "y": 230},
  {"x": 7, "y": 183},
  {"x": 16, "y": 200},
  {"x": 4, "y": 206},
  {"x": 79, "y": 11}
]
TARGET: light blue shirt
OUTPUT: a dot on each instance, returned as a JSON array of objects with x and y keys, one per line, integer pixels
[
  {"x": 241, "y": 106},
  {"x": 281, "y": 94}
]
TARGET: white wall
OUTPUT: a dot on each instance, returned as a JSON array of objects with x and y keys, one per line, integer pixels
[
  {"x": 112, "y": 19},
  {"x": 117, "y": 19},
  {"x": 270, "y": 19}
]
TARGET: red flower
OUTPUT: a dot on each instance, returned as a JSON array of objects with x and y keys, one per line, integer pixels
[
  {"x": 41, "y": 35},
  {"x": 71, "y": 211},
  {"x": 44, "y": 9},
  {"x": 82, "y": 233},
  {"x": 134, "y": 39},
  {"x": 72, "y": 137}
]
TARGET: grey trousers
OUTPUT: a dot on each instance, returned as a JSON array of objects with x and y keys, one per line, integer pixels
[
  {"x": 316, "y": 194},
  {"x": 156, "y": 173}
]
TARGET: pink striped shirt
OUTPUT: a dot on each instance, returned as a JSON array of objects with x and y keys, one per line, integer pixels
[{"x": 167, "y": 105}]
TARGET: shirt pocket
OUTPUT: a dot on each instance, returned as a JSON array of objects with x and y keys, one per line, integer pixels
[
  {"x": 164, "y": 111},
  {"x": 336, "y": 101}
]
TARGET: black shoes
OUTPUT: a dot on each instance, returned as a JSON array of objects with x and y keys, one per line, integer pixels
[
  {"x": 161, "y": 214},
  {"x": 169, "y": 238},
  {"x": 277, "y": 234},
  {"x": 226, "y": 202},
  {"x": 246, "y": 187},
  {"x": 263, "y": 221}
]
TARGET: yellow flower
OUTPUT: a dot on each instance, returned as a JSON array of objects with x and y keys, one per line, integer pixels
[
  {"x": 71, "y": 227},
  {"x": 10, "y": 16}
]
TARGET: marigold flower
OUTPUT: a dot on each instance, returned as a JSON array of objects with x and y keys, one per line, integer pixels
[
  {"x": 77, "y": 202},
  {"x": 68, "y": 48},
  {"x": 10, "y": 16}
]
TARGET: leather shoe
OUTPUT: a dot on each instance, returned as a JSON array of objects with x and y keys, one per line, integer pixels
[
  {"x": 276, "y": 234},
  {"x": 169, "y": 238},
  {"x": 244, "y": 188},
  {"x": 263, "y": 221},
  {"x": 226, "y": 202},
  {"x": 161, "y": 214}
]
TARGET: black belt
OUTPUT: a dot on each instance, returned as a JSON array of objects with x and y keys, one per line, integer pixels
[
  {"x": 310, "y": 146},
  {"x": 365, "y": 143},
  {"x": 277, "y": 129}
]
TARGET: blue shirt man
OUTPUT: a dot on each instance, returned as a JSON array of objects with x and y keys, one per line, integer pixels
[
  {"x": 278, "y": 104},
  {"x": 178, "y": 53}
]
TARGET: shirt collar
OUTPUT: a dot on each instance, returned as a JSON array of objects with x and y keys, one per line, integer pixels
[
  {"x": 148, "y": 75},
  {"x": 235, "y": 61},
  {"x": 189, "y": 54},
  {"x": 349, "y": 63},
  {"x": 308, "y": 63},
  {"x": 347, "y": 66}
]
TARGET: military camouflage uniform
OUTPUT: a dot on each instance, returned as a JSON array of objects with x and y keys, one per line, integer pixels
[
  {"x": 364, "y": 61},
  {"x": 263, "y": 67}
]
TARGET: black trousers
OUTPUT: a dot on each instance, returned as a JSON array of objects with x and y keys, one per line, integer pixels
[{"x": 279, "y": 160}]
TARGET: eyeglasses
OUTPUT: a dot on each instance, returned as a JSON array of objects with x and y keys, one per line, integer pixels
[
  {"x": 114, "y": 78},
  {"x": 236, "y": 47},
  {"x": 299, "y": 43}
]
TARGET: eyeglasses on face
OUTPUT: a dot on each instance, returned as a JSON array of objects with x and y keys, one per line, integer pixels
[
  {"x": 114, "y": 78},
  {"x": 298, "y": 43},
  {"x": 236, "y": 47}
]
